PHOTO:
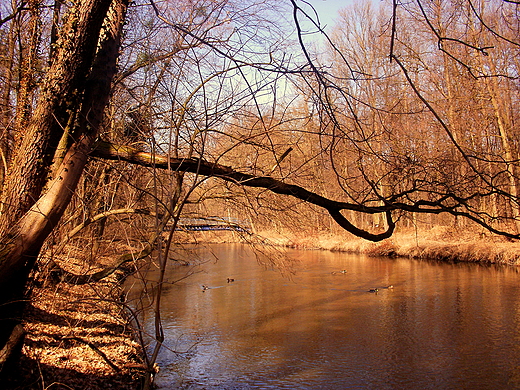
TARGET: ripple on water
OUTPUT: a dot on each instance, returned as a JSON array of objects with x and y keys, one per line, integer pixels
[{"x": 442, "y": 326}]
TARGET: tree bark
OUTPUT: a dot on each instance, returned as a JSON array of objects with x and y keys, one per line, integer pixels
[
  {"x": 27, "y": 225},
  {"x": 28, "y": 69},
  {"x": 61, "y": 92}
]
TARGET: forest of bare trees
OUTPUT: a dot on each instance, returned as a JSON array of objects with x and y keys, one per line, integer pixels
[{"x": 141, "y": 113}]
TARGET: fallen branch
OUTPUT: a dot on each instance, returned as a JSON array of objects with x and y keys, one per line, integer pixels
[
  {"x": 60, "y": 274},
  {"x": 69, "y": 277},
  {"x": 95, "y": 349},
  {"x": 109, "y": 151}
]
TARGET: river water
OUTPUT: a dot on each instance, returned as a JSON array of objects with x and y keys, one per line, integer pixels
[{"x": 441, "y": 326}]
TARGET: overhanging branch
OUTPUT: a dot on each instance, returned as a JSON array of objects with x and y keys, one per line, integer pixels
[{"x": 109, "y": 151}]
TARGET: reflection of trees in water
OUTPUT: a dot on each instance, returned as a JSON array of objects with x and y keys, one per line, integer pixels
[{"x": 211, "y": 109}]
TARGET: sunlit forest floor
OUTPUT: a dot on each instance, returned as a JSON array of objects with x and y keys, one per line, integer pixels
[{"x": 77, "y": 338}]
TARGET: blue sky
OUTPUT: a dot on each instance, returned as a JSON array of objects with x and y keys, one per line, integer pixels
[
  {"x": 328, "y": 10},
  {"x": 328, "y": 15}
]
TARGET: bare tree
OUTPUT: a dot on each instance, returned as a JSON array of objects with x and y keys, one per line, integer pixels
[
  {"x": 206, "y": 90},
  {"x": 406, "y": 152}
]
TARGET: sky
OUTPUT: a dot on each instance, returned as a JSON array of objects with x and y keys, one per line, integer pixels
[
  {"x": 328, "y": 10},
  {"x": 328, "y": 15}
]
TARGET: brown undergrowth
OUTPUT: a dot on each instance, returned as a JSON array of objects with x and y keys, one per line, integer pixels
[
  {"x": 438, "y": 243},
  {"x": 78, "y": 337}
]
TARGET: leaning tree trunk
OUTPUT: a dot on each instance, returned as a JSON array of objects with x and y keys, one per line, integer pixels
[
  {"x": 59, "y": 95},
  {"x": 29, "y": 216}
]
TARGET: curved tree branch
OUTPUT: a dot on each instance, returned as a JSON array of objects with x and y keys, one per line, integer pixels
[
  {"x": 109, "y": 151},
  {"x": 345, "y": 224},
  {"x": 69, "y": 277}
]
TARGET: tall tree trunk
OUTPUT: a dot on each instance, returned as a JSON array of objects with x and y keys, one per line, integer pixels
[
  {"x": 29, "y": 59},
  {"x": 505, "y": 130},
  {"x": 21, "y": 242},
  {"x": 60, "y": 93},
  {"x": 6, "y": 112}
]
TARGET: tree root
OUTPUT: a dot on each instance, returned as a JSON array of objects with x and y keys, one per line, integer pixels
[{"x": 13, "y": 344}]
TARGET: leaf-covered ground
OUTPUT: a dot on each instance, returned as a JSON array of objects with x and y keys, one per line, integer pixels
[{"x": 78, "y": 337}]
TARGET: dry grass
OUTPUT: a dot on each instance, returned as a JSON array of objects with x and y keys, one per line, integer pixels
[{"x": 439, "y": 243}]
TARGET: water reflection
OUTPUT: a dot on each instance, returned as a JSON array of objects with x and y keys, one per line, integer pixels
[{"x": 442, "y": 326}]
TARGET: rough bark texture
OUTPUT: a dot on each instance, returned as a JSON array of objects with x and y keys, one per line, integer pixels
[
  {"x": 28, "y": 70},
  {"x": 27, "y": 225},
  {"x": 60, "y": 92}
]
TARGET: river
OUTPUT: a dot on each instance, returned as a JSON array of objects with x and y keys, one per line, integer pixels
[{"x": 441, "y": 326}]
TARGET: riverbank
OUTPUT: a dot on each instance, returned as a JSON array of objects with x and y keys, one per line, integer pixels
[
  {"x": 78, "y": 337},
  {"x": 439, "y": 243}
]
